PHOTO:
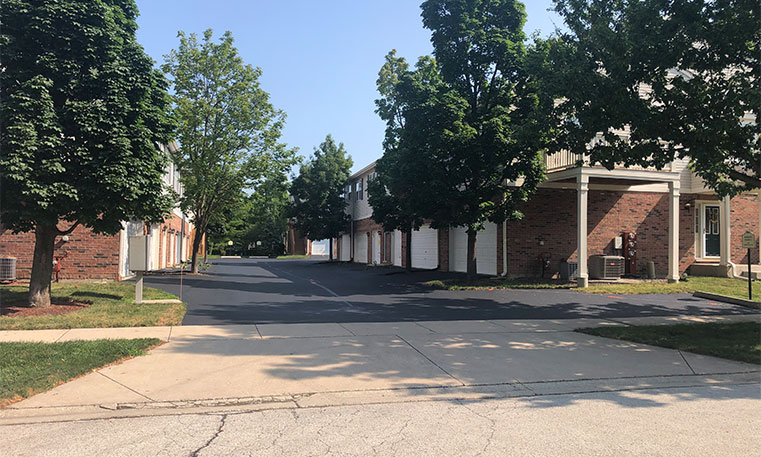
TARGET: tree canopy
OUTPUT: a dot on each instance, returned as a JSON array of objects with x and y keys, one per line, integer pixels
[
  {"x": 228, "y": 131},
  {"x": 83, "y": 111},
  {"x": 484, "y": 128},
  {"x": 656, "y": 80},
  {"x": 398, "y": 193},
  {"x": 318, "y": 207}
]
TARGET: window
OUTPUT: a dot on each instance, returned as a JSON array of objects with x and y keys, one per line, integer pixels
[{"x": 361, "y": 192}]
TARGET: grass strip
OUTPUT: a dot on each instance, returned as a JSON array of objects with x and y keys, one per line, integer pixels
[
  {"x": 30, "y": 368},
  {"x": 735, "y": 341},
  {"x": 110, "y": 305}
]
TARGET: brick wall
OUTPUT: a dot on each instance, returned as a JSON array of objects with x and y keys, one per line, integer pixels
[
  {"x": 90, "y": 256},
  {"x": 743, "y": 217},
  {"x": 444, "y": 250},
  {"x": 551, "y": 216}
]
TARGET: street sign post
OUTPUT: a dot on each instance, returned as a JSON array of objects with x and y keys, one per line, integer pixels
[{"x": 749, "y": 242}]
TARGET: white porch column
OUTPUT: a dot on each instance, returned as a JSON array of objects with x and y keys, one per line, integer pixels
[
  {"x": 724, "y": 233},
  {"x": 759, "y": 227},
  {"x": 581, "y": 229},
  {"x": 673, "y": 256}
]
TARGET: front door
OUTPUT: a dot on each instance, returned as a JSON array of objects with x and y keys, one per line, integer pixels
[{"x": 711, "y": 224}]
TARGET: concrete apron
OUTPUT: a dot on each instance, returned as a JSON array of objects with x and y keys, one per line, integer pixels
[{"x": 242, "y": 368}]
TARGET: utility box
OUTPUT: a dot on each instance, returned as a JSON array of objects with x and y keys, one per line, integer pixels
[{"x": 138, "y": 253}]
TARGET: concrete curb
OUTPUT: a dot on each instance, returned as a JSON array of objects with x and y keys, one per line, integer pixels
[{"x": 725, "y": 299}]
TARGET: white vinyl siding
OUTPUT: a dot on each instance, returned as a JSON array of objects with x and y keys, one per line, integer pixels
[{"x": 425, "y": 248}]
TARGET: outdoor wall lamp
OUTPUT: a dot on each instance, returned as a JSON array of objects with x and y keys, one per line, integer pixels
[{"x": 65, "y": 238}]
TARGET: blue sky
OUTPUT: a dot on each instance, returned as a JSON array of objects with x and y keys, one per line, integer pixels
[{"x": 319, "y": 59}]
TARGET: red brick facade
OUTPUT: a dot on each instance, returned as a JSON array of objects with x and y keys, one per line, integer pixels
[
  {"x": 548, "y": 229},
  {"x": 93, "y": 256},
  {"x": 90, "y": 256},
  {"x": 550, "y": 217}
]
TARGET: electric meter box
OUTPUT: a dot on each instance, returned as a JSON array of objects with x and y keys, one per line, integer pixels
[{"x": 138, "y": 253}]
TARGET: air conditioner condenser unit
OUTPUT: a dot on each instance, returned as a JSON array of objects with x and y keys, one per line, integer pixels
[{"x": 606, "y": 267}]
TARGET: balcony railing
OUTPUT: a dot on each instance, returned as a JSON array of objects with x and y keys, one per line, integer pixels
[{"x": 564, "y": 160}]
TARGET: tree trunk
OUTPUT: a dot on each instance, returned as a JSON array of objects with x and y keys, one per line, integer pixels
[
  {"x": 205, "y": 246},
  {"x": 196, "y": 246},
  {"x": 42, "y": 265},
  {"x": 408, "y": 250},
  {"x": 472, "y": 269},
  {"x": 330, "y": 249}
]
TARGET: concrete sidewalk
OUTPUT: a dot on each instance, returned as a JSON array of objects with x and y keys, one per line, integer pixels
[
  {"x": 253, "y": 367},
  {"x": 265, "y": 331}
]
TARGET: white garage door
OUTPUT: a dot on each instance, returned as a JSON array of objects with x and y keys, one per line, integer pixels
[
  {"x": 345, "y": 247},
  {"x": 425, "y": 248},
  {"x": 397, "y": 248},
  {"x": 486, "y": 249},
  {"x": 458, "y": 249},
  {"x": 360, "y": 247}
]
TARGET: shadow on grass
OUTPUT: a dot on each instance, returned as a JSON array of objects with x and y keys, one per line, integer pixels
[{"x": 97, "y": 295}]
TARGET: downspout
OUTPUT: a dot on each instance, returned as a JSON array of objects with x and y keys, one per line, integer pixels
[{"x": 504, "y": 245}]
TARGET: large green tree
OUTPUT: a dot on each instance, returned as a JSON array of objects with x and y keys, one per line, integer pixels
[
  {"x": 82, "y": 112},
  {"x": 487, "y": 123},
  {"x": 683, "y": 77},
  {"x": 398, "y": 192},
  {"x": 228, "y": 130},
  {"x": 318, "y": 208}
]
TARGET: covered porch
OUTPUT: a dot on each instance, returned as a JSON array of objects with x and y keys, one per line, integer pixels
[{"x": 583, "y": 179}]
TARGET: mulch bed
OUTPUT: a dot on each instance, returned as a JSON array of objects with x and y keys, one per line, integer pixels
[{"x": 59, "y": 306}]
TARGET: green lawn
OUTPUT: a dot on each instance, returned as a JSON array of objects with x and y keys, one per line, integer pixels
[
  {"x": 29, "y": 368},
  {"x": 111, "y": 306},
  {"x": 723, "y": 286},
  {"x": 737, "y": 341},
  {"x": 498, "y": 283},
  {"x": 281, "y": 257}
]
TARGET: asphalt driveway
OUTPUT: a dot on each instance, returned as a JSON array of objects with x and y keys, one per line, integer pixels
[{"x": 254, "y": 291}]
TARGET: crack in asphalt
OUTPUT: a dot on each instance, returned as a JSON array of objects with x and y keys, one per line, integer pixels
[{"x": 222, "y": 421}]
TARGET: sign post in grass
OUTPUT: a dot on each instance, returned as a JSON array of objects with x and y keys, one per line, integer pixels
[{"x": 749, "y": 242}]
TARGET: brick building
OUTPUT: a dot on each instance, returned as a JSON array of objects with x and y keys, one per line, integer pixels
[
  {"x": 92, "y": 256},
  {"x": 680, "y": 225}
]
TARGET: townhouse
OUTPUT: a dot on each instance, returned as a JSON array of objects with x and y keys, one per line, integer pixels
[
  {"x": 87, "y": 255},
  {"x": 667, "y": 217}
]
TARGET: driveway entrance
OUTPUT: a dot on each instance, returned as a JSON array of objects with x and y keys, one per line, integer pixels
[{"x": 255, "y": 291}]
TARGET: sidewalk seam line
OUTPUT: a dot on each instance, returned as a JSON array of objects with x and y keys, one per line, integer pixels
[
  {"x": 685, "y": 361},
  {"x": 169, "y": 337},
  {"x": 62, "y": 335},
  {"x": 126, "y": 387},
  {"x": 429, "y": 359},
  {"x": 423, "y": 326},
  {"x": 347, "y": 329},
  {"x": 256, "y": 326},
  {"x": 427, "y": 328}
]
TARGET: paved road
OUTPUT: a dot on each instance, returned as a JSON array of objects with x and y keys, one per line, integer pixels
[
  {"x": 720, "y": 421},
  {"x": 251, "y": 291}
]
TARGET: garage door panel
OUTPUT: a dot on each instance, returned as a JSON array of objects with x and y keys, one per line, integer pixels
[
  {"x": 346, "y": 248},
  {"x": 397, "y": 248},
  {"x": 486, "y": 249},
  {"x": 360, "y": 248},
  {"x": 425, "y": 248}
]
